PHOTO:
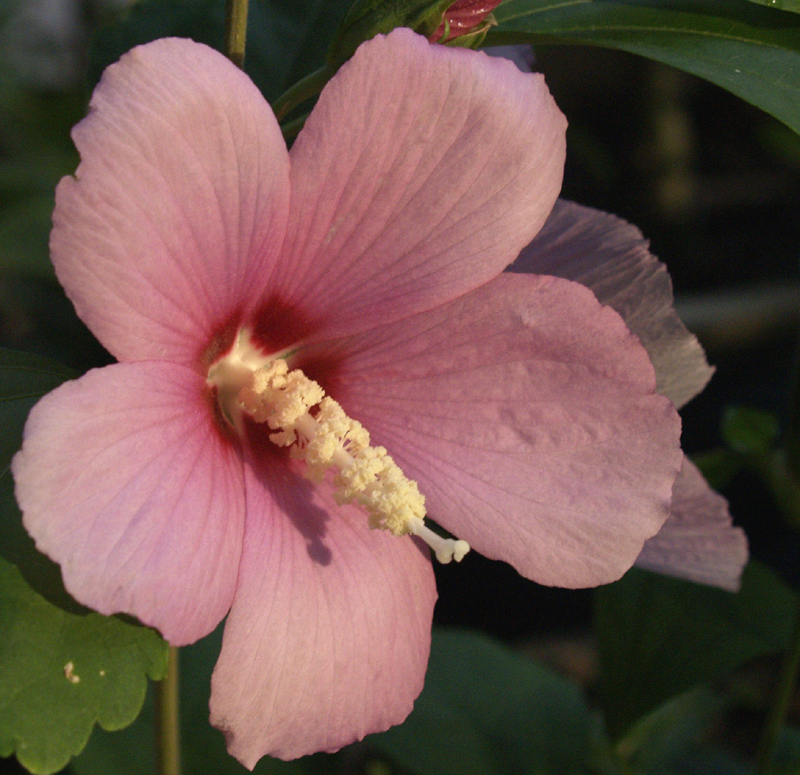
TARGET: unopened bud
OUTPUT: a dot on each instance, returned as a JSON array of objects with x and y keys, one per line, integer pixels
[{"x": 465, "y": 23}]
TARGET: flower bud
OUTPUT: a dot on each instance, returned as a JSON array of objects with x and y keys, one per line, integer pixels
[{"x": 465, "y": 23}]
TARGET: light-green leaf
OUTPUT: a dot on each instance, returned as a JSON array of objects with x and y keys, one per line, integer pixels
[
  {"x": 747, "y": 49},
  {"x": 130, "y": 751},
  {"x": 60, "y": 672}
]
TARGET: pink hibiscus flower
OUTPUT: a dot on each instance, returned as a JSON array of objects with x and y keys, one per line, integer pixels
[{"x": 369, "y": 259}]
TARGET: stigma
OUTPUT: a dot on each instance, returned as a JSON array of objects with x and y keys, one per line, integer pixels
[{"x": 317, "y": 431}]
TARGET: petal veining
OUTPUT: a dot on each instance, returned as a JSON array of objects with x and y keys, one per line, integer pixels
[
  {"x": 179, "y": 205},
  {"x": 611, "y": 257},
  {"x": 329, "y": 634},
  {"x": 125, "y": 480},
  {"x": 527, "y": 414},
  {"x": 698, "y": 542},
  {"x": 421, "y": 173}
]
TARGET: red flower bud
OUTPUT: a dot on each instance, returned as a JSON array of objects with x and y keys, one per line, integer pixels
[{"x": 463, "y": 17}]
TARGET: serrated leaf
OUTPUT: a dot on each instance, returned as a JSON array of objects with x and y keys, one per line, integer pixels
[
  {"x": 24, "y": 379},
  {"x": 657, "y": 637},
  {"x": 498, "y": 711},
  {"x": 130, "y": 751},
  {"x": 749, "y": 50},
  {"x": 60, "y": 673}
]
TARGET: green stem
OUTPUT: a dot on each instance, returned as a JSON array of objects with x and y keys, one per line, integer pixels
[
  {"x": 235, "y": 30},
  {"x": 168, "y": 739},
  {"x": 304, "y": 89},
  {"x": 781, "y": 698},
  {"x": 292, "y": 128}
]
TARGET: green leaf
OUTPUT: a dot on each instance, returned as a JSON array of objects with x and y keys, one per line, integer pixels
[
  {"x": 719, "y": 466},
  {"x": 671, "y": 730},
  {"x": 657, "y": 637},
  {"x": 368, "y": 18},
  {"x": 787, "y": 757},
  {"x": 24, "y": 237},
  {"x": 130, "y": 751},
  {"x": 18, "y": 548},
  {"x": 286, "y": 39},
  {"x": 750, "y": 431},
  {"x": 780, "y": 5},
  {"x": 495, "y": 709},
  {"x": 24, "y": 379},
  {"x": 742, "y": 47},
  {"x": 59, "y": 673}
]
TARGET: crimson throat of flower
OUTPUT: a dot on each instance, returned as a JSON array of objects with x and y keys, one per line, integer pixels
[{"x": 265, "y": 390}]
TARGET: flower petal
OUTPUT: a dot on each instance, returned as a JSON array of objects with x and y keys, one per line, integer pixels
[
  {"x": 178, "y": 206},
  {"x": 698, "y": 541},
  {"x": 125, "y": 480},
  {"x": 421, "y": 174},
  {"x": 527, "y": 414},
  {"x": 610, "y": 256},
  {"x": 329, "y": 634}
]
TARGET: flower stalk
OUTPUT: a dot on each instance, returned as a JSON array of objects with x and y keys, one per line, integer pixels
[
  {"x": 303, "y": 90},
  {"x": 168, "y": 743},
  {"x": 235, "y": 31}
]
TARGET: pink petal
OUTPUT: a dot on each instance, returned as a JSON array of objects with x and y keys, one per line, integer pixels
[
  {"x": 421, "y": 174},
  {"x": 527, "y": 414},
  {"x": 610, "y": 256},
  {"x": 463, "y": 16},
  {"x": 179, "y": 205},
  {"x": 329, "y": 634},
  {"x": 698, "y": 541},
  {"x": 126, "y": 481}
]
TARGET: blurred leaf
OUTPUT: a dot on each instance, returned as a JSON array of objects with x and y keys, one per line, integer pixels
[
  {"x": 24, "y": 237},
  {"x": 18, "y": 548},
  {"x": 498, "y": 711},
  {"x": 749, "y": 50},
  {"x": 718, "y": 466},
  {"x": 34, "y": 173},
  {"x": 750, "y": 431},
  {"x": 130, "y": 751},
  {"x": 24, "y": 379},
  {"x": 36, "y": 122},
  {"x": 367, "y": 18},
  {"x": 787, "y": 757},
  {"x": 59, "y": 673},
  {"x": 657, "y": 637},
  {"x": 709, "y": 760},
  {"x": 668, "y": 732},
  {"x": 6, "y": 9},
  {"x": 780, "y": 5},
  {"x": 286, "y": 39}
]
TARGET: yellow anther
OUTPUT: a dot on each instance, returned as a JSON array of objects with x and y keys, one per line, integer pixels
[{"x": 365, "y": 475}]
